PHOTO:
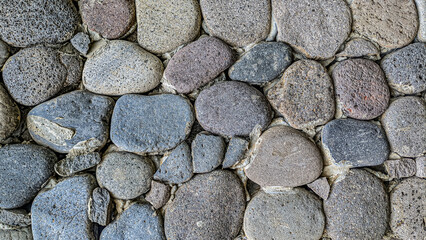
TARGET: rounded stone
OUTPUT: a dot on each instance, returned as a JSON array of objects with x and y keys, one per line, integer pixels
[
  {"x": 316, "y": 28},
  {"x": 9, "y": 114},
  {"x": 197, "y": 64},
  {"x": 24, "y": 23},
  {"x": 122, "y": 67},
  {"x": 210, "y": 206},
  {"x": 361, "y": 88},
  {"x": 304, "y": 96},
  {"x": 24, "y": 169},
  {"x": 405, "y": 69},
  {"x": 165, "y": 25},
  {"x": 125, "y": 175},
  {"x": 284, "y": 157},
  {"x": 404, "y": 123},
  {"x": 4, "y": 53},
  {"x": 110, "y": 18},
  {"x": 390, "y": 23},
  {"x": 232, "y": 108},
  {"x": 237, "y": 22},
  {"x": 293, "y": 214},
  {"x": 357, "y": 207}
]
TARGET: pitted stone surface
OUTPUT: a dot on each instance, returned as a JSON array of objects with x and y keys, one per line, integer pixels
[
  {"x": 359, "y": 47},
  {"x": 207, "y": 152},
  {"x": 176, "y": 166},
  {"x": 71, "y": 165},
  {"x": 158, "y": 195},
  {"x": 81, "y": 42},
  {"x": 9, "y": 114}
]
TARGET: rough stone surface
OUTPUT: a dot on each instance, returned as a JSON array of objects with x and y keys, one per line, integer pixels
[
  {"x": 71, "y": 165},
  {"x": 176, "y": 166},
  {"x": 359, "y": 47},
  {"x": 421, "y": 167},
  {"x": 9, "y": 114},
  {"x": 304, "y": 96},
  {"x": 81, "y": 42},
  {"x": 316, "y": 28},
  {"x": 232, "y": 108},
  {"x": 402, "y": 168},
  {"x": 197, "y": 64},
  {"x": 361, "y": 88},
  {"x": 404, "y": 122},
  {"x": 210, "y": 206},
  {"x": 16, "y": 234},
  {"x": 421, "y": 8},
  {"x": 4, "y": 53},
  {"x": 236, "y": 151},
  {"x": 293, "y": 214},
  {"x": 320, "y": 187},
  {"x": 251, "y": 25},
  {"x": 357, "y": 208},
  {"x": 61, "y": 212},
  {"x": 15, "y": 218},
  {"x": 158, "y": 195},
  {"x": 263, "y": 63},
  {"x": 151, "y": 123},
  {"x": 122, "y": 67},
  {"x": 408, "y": 209},
  {"x": 75, "y": 119},
  {"x": 24, "y": 23},
  {"x": 165, "y": 25},
  {"x": 405, "y": 69},
  {"x": 24, "y": 169},
  {"x": 284, "y": 157},
  {"x": 100, "y": 206},
  {"x": 125, "y": 175},
  {"x": 355, "y": 143},
  {"x": 139, "y": 221},
  {"x": 207, "y": 152},
  {"x": 390, "y": 23}
]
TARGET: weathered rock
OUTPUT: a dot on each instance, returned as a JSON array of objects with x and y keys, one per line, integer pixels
[
  {"x": 4, "y": 53},
  {"x": 15, "y": 218},
  {"x": 158, "y": 195},
  {"x": 207, "y": 152},
  {"x": 176, "y": 166},
  {"x": 402, "y": 168},
  {"x": 320, "y": 187},
  {"x": 100, "y": 206},
  {"x": 237, "y": 148},
  {"x": 74, "y": 64},
  {"x": 421, "y": 8},
  {"x": 359, "y": 47},
  {"x": 81, "y": 42},
  {"x": 9, "y": 114},
  {"x": 16, "y": 234},
  {"x": 421, "y": 167},
  {"x": 71, "y": 165}
]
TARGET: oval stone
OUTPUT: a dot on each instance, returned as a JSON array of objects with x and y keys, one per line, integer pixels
[{"x": 9, "y": 114}]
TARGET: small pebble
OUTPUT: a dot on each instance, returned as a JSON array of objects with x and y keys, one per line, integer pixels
[
  {"x": 15, "y": 218},
  {"x": 176, "y": 166},
  {"x": 10, "y": 115},
  {"x": 421, "y": 8},
  {"x": 359, "y": 47},
  {"x": 100, "y": 206},
  {"x": 237, "y": 148},
  {"x": 4, "y": 53},
  {"x": 16, "y": 234},
  {"x": 71, "y": 165},
  {"x": 158, "y": 195},
  {"x": 402, "y": 168},
  {"x": 421, "y": 167},
  {"x": 81, "y": 42},
  {"x": 207, "y": 152},
  {"x": 320, "y": 187}
]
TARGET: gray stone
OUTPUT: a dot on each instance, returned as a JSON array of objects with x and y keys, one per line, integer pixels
[
  {"x": 355, "y": 143},
  {"x": 24, "y": 169},
  {"x": 151, "y": 123},
  {"x": 320, "y": 187},
  {"x": 100, "y": 206},
  {"x": 71, "y": 165},
  {"x": 121, "y": 67},
  {"x": 138, "y": 222},
  {"x": 16, "y": 234},
  {"x": 236, "y": 151},
  {"x": 158, "y": 195},
  {"x": 421, "y": 167},
  {"x": 4, "y": 53},
  {"x": 357, "y": 208},
  {"x": 421, "y": 8},
  {"x": 74, "y": 64},
  {"x": 263, "y": 63},
  {"x": 125, "y": 175},
  {"x": 207, "y": 152},
  {"x": 10, "y": 115},
  {"x": 15, "y": 218},
  {"x": 210, "y": 206},
  {"x": 81, "y": 42},
  {"x": 75, "y": 119},
  {"x": 359, "y": 47},
  {"x": 404, "y": 122},
  {"x": 293, "y": 214},
  {"x": 62, "y": 212},
  {"x": 176, "y": 165},
  {"x": 402, "y": 168},
  {"x": 408, "y": 210},
  {"x": 405, "y": 69}
]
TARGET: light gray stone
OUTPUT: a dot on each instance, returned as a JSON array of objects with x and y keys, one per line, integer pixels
[
  {"x": 70, "y": 165},
  {"x": 401, "y": 168},
  {"x": 421, "y": 8},
  {"x": 15, "y": 218},
  {"x": 81, "y": 42},
  {"x": 16, "y": 234},
  {"x": 421, "y": 167},
  {"x": 359, "y": 47}
]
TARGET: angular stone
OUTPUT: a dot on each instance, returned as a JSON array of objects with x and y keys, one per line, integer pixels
[
  {"x": 100, "y": 206},
  {"x": 71, "y": 120},
  {"x": 10, "y": 115},
  {"x": 402, "y": 168},
  {"x": 71, "y": 165},
  {"x": 24, "y": 169},
  {"x": 16, "y": 234},
  {"x": 284, "y": 157},
  {"x": 207, "y": 152},
  {"x": 361, "y": 88},
  {"x": 232, "y": 108},
  {"x": 251, "y": 25},
  {"x": 421, "y": 167},
  {"x": 320, "y": 187},
  {"x": 197, "y": 64},
  {"x": 176, "y": 166},
  {"x": 359, "y": 47},
  {"x": 151, "y": 123},
  {"x": 237, "y": 148},
  {"x": 15, "y": 218},
  {"x": 81, "y": 42},
  {"x": 293, "y": 214},
  {"x": 421, "y": 8},
  {"x": 304, "y": 96},
  {"x": 263, "y": 63},
  {"x": 158, "y": 195},
  {"x": 165, "y": 25},
  {"x": 74, "y": 64},
  {"x": 4, "y": 53}
]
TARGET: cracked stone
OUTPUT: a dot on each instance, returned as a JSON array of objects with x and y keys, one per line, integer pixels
[
  {"x": 100, "y": 206},
  {"x": 71, "y": 165}
]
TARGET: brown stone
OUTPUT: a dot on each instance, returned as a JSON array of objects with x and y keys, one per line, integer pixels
[
  {"x": 320, "y": 187},
  {"x": 359, "y": 47},
  {"x": 9, "y": 114},
  {"x": 158, "y": 195}
]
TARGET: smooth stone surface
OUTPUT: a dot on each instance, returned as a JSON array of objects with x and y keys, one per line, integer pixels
[
  {"x": 71, "y": 165},
  {"x": 284, "y": 157},
  {"x": 390, "y": 23},
  {"x": 361, "y": 88},
  {"x": 158, "y": 195},
  {"x": 122, "y": 67},
  {"x": 402, "y": 168},
  {"x": 421, "y": 8},
  {"x": 251, "y": 25},
  {"x": 24, "y": 23},
  {"x": 408, "y": 209},
  {"x": 4, "y": 53},
  {"x": 316, "y": 28},
  {"x": 320, "y": 187},
  {"x": 421, "y": 167},
  {"x": 405, "y": 69},
  {"x": 100, "y": 206},
  {"x": 165, "y": 25},
  {"x": 138, "y": 222},
  {"x": 15, "y": 218},
  {"x": 198, "y": 63},
  {"x": 232, "y": 108},
  {"x": 125, "y": 175},
  {"x": 10, "y": 115},
  {"x": 293, "y": 214},
  {"x": 359, "y": 47},
  {"x": 207, "y": 152},
  {"x": 151, "y": 123},
  {"x": 75, "y": 119},
  {"x": 210, "y": 206},
  {"x": 62, "y": 212},
  {"x": 24, "y": 169},
  {"x": 236, "y": 151},
  {"x": 355, "y": 143},
  {"x": 176, "y": 166},
  {"x": 357, "y": 208},
  {"x": 81, "y": 42},
  {"x": 404, "y": 122},
  {"x": 263, "y": 63},
  {"x": 304, "y": 96},
  {"x": 16, "y": 234}
]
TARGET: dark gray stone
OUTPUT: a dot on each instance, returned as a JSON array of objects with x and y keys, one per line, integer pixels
[
  {"x": 15, "y": 218},
  {"x": 70, "y": 165},
  {"x": 100, "y": 206},
  {"x": 237, "y": 148},
  {"x": 320, "y": 187},
  {"x": 9, "y": 114},
  {"x": 401, "y": 168},
  {"x": 158, "y": 195},
  {"x": 151, "y": 123},
  {"x": 355, "y": 143},
  {"x": 24, "y": 169},
  {"x": 207, "y": 152},
  {"x": 81, "y": 42},
  {"x": 16, "y": 234},
  {"x": 4, "y": 53},
  {"x": 176, "y": 166}
]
